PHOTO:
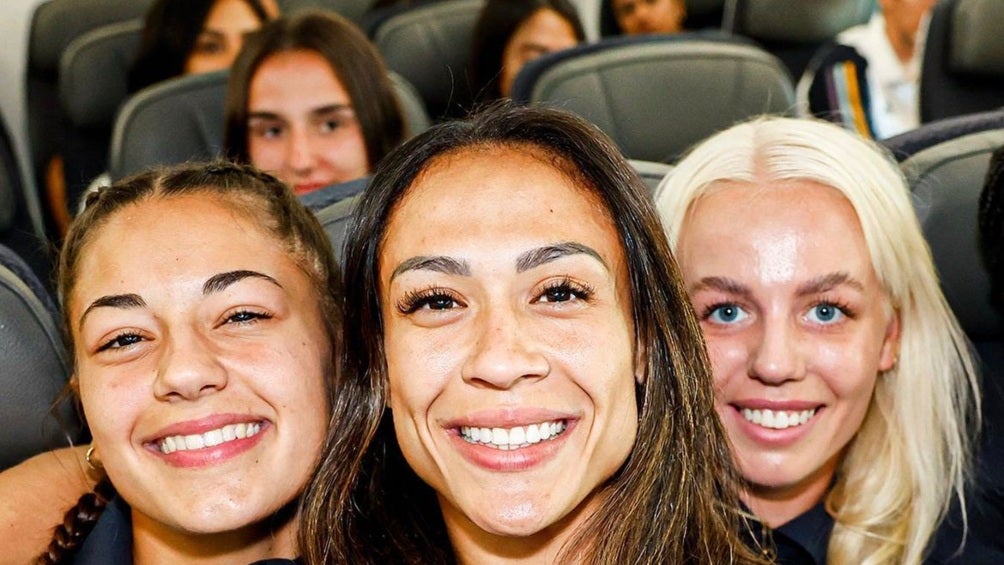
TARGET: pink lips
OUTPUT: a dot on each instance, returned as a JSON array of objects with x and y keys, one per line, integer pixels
[
  {"x": 512, "y": 460},
  {"x": 206, "y": 455}
]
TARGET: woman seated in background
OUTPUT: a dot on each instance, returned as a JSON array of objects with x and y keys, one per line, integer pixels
[
  {"x": 843, "y": 379},
  {"x": 511, "y": 33},
  {"x": 636, "y": 17},
  {"x": 310, "y": 101},
  {"x": 203, "y": 357},
  {"x": 525, "y": 381},
  {"x": 180, "y": 37},
  {"x": 183, "y": 37}
]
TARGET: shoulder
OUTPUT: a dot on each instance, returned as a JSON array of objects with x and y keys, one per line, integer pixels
[{"x": 34, "y": 495}]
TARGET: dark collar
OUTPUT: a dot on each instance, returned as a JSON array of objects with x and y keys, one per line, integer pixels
[
  {"x": 802, "y": 541},
  {"x": 111, "y": 539}
]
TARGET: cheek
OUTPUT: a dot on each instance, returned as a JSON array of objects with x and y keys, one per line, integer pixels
[
  {"x": 729, "y": 358},
  {"x": 112, "y": 405},
  {"x": 266, "y": 155}
]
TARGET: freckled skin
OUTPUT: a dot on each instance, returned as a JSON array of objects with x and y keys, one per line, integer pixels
[{"x": 772, "y": 345}]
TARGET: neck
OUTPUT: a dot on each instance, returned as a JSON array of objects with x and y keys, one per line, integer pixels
[
  {"x": 473, "y": 545},
  {"x": 903, "y": 41},
  {"x": 776, "y": 506},
  {"x": 154, "y": 543}
]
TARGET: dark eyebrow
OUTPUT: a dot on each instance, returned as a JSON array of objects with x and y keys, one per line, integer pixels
[
  {"x": 828, "y": 282},
  {"x": 113, "y": 301},
  {"x": 330, "y": 109},
  {"x": 541, "y": 255},
  {"x": 221, "y": 281},
  {"x": 722, "y": 284},
  {"x": 264, "y": 116},
  {"x": 440, "y": 264}
]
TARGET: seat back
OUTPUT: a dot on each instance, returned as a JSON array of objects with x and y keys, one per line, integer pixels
[
  {"x": 650, "y": 172},
  {"x": 178, "y": 120},
  {"x": 17, "y": 230},
  {"x": 182, "y": 119},
  {"x": 55, "y": 24},
  {"x": 429, "y": 45},
  {"x": 335, "y": 219},
  {"x": 963, "y": 67},
  {"x": 93, "y": 84},
  {"x": 794, "y": 29},
  {"x": 351, "y": 9},
  {"x": 34, "y": 365},
  {"x": 658, "y": 95},
  {"x": 945, "y": 163}
]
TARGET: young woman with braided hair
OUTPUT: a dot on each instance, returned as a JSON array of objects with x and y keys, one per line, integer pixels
[{"x": 200, "y": 308}]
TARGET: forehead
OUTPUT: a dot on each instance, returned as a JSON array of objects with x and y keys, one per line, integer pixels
[
  {"x": 294, "y": 78},
  {"x": 158, "y": 238},
  {"x": 517, "y": 195},
  {"x": 773, "y": 229}
]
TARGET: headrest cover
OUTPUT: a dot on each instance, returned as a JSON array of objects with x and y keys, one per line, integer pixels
[
  {"x": 799, "y": 21},
  {"x": 977, "y": 44},
  {"x": 94, "y": 71}
]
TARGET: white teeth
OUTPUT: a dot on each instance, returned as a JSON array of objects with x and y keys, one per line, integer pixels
[
  {"x": 211, "y": 438},
  {"x": 778, "y": 420},
  {"x": 512, "y": 438}
]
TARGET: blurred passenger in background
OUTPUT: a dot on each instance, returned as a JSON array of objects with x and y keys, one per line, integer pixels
[
  {"x": 869, "y": 79},
  {"x": 511, "y": 33},
  {"x": 194, "y": 36},
  {"x": 310, "y": 101},
  {"x": 180, "y": 37},
  {"x": 636, "y": 17}
]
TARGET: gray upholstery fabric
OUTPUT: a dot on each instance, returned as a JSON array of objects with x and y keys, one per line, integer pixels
[
  {"x": 34, "y": 368},
  {"x": 10, "y": 179},
  {"x": 797, "y": 21},
  {"x": 651, "y": 173},
  {"x": 93, "y": 73},
  {"x": 429, "y": 45},
  {"x": 172, "y": 122},
  {"x": 58, "y": 22},
  {"x": 351, "y": 9},
  {"x": 977, "y": 45},
  {"x": 182, "y": 119},
  {"x": 946, "y": 179},
  {"x": 658, "y": 95},
  {"x": 335, "y": 220}
]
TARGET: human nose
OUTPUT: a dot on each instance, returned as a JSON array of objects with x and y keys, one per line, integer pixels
[
  {"x": 502, "y": 353},
  {"x": 189, "y": 369},
  {"x": 776, "y": 358},
  {"x": 299, "y": 157}
]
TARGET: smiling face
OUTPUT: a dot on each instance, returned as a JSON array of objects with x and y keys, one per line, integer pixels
[
  {"x": 222, "y": 36},
  {"x": 201, "y": 357},
  {"x": 797, "y": 326},
  {"x": 301, "y": 124},
  {"x": 509, "y": 342},
  {"x": 545, "y": 31}
]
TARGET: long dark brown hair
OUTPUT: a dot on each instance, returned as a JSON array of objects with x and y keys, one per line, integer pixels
[
  {"x": 352, "y": 58},
  {"x": 675, "y": 498}
]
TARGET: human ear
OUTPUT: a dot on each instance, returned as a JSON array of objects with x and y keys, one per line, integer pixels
[{"x": 889, "y": 356}]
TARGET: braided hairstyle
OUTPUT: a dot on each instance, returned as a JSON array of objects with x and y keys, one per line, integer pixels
[
  {"x": 77, "y": 524},
  {"x": 991, "y": 218},
  {"x": 256, "y": 194}
]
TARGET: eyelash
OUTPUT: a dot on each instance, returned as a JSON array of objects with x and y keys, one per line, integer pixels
[
  {"x": 111, "y": 343},
  {"x": 577, "y": 289},
  {"x": 250, "y": 316},
  {"x": 418, "y": 299}
]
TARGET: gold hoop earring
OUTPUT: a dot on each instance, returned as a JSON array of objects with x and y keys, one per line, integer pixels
[{"x": 91, "y": 463}]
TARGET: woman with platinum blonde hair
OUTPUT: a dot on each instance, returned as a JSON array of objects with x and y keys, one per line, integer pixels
[{"x": 842, "y": 377}]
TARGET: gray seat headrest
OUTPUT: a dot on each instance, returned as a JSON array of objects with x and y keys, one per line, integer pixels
[
  {"x": 93, "y": 73},
  {"x": 795, "y": 21},
  {"x": 977, "y": 44}
]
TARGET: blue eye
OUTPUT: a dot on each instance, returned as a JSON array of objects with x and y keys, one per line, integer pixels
[
  {"x": 726, "y": 314},
  {"x": 825, "y": 313},
  {"x": 121, "y": 341}
]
